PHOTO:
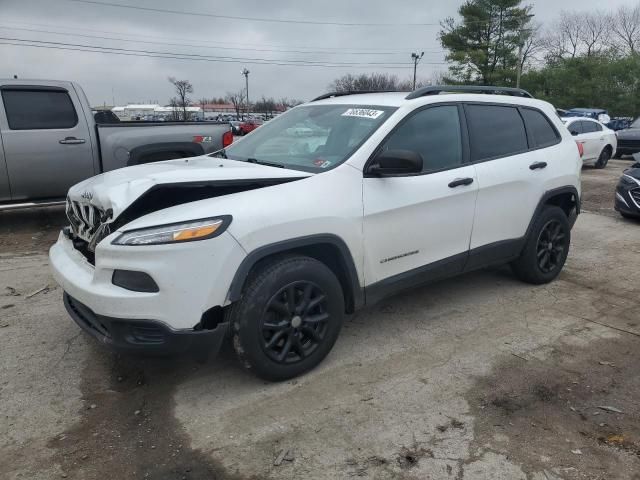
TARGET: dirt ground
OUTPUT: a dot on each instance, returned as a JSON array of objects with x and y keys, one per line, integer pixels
[{"x": 477, "y": 377}]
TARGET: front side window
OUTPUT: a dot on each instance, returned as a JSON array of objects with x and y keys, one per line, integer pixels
[
  {"x": 540, "y": 128},
  {"x": 311, "y": 138},
  {"x": 434, "y": 133},
  {"x": 39, "y": 109},
  {"x": 495, "y": 131}
]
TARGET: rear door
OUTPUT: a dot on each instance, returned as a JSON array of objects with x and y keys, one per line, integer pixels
[
  {"x": 46, "y": 141},
  {"x": 417, "y": 227},
  {"x": 511, "y": 178}
]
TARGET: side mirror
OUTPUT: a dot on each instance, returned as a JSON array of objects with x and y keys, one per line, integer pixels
[
  {"x": 396, "y": 162},
  {"x": 574, "y": 133}
]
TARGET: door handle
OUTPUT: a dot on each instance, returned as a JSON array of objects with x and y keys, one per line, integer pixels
[
  {"x": 460, "y": 181},
  {"x": 72, "y": 141},
  {"x": 538, "y": 166}
]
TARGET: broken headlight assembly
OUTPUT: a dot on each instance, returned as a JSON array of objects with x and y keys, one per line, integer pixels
[{"x": 175, "y": 232}]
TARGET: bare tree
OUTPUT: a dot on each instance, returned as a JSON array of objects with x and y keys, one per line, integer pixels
[
  {"x": 594, "y": 32},
  {"x": 625, "y": 30},
  {"x": 364, "y": 82},
  {"x": 238, "y": 100},
  {"x": 562, "y": 39},
  {"x": 183, "y": 89},
  {"x": 174, "y": 116}
]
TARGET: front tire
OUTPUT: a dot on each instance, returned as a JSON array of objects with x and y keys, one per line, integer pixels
[
  {"x": 288, "y": 318},
  {"x": 546, "y": 248}
]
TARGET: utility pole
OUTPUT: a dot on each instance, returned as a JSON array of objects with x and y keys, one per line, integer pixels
[
  {"x": 246, "y": 72},
  {"x": 524, "y": 32},
  {"x": 416, "y": 58},
  {"x": 519, "y": 70}
]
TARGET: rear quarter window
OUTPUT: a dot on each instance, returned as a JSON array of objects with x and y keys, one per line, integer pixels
[
  {"x": 540, "y": 128},
  {"x": 495, "y": 131}
]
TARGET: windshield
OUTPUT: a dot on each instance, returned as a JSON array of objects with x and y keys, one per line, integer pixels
[{"x": 311, "y": 138}]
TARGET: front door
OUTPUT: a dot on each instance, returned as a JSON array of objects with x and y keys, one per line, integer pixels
[
  {"x": 420, "y": 225},
  {"x": 46, "y": 141}
]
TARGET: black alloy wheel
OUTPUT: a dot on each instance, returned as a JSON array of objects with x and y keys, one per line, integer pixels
[
  {"x": 295, "y": 322},
  {"x": 546, "y": 247},
  {"x": 551, "y": 246},
  {"x": 288, "y": 318}
]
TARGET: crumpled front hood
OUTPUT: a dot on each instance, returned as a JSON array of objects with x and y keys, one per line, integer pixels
[{"x": 118, "y": 189}]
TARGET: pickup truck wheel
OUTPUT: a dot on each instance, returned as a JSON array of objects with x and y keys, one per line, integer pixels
[
  {"x": 288, "y": 318},
  {"x": 546, "y": 248}
]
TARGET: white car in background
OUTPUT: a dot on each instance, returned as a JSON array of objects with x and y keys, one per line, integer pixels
[{"x": 598, "y": 142}]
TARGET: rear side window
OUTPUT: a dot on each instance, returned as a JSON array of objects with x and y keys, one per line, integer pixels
[
  {"x": 495, "y": 131},
  {"x": 589, "y": 127},
  {"x": 575, "y": 128},
  {"x": 540, "y": 128},
  {"x": 39, "y": 109},
  {"x": 434, "y": 133}
]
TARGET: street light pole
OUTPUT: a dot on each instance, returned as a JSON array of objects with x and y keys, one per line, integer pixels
[
  {"x": 246, "y": 72},
  {"x": 416, "y": 58}
]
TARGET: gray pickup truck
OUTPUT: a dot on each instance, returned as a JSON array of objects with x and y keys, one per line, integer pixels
[{"x": 50, "y": 141}]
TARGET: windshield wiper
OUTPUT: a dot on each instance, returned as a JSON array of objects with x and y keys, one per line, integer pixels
[
  {"x": 262, "y": 162},
  {"x": 219, "y": 154}
]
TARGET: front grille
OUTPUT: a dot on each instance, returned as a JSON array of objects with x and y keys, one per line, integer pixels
[
  {"x": 88, "y": 222},
  {"x": 635, "y": 196}
]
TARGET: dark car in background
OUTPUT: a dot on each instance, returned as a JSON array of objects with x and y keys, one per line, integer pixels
[
  {"x": 629, "y": 140},
  {"x": 628, "y": 193},
  {"x": 619, "y": 123}
]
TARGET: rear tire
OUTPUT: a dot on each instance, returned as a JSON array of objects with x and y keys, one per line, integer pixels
[
  {"x": 604, "y": 157},
  {"x": 546, "y": 248},
  {"x": 288, "y": 318}
]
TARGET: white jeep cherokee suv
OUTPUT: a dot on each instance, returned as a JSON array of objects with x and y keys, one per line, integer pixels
[{"x": 273, "y": 240}]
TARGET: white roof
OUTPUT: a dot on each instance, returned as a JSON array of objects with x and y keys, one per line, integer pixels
[{"x": 142, "y": 106}]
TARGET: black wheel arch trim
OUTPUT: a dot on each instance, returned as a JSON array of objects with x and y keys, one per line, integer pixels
[
  {"x": 549, "y": 194},
  {"x": 346, "y": 261},
  {"x": 142, "y": 151}
]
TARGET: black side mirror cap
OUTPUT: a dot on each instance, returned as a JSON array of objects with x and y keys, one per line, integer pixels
[
  {"x": 574, "y": 133},
  {"x": 395, "y": 162}
]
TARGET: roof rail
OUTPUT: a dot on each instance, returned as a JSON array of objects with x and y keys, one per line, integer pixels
[
  {"x": 489, "y": 90},
  {"x": 342, "y": 94}
]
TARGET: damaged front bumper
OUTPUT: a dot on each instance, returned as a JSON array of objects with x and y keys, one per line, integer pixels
[{"x": 147, "y": 337}]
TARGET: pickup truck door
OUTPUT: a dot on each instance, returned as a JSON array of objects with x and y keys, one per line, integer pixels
[{"x": 46, "y": 140}]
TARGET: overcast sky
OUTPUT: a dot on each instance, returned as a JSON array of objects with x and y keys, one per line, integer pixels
[{"x": 257, "y": 45}]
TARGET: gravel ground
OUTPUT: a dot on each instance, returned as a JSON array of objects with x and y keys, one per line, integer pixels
[{"x": 478, "y": 377}]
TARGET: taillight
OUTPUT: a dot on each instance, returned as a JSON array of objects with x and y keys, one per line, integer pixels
[
  {"x": 580, "y": 148},
  {"x": 227, "y": 139}
]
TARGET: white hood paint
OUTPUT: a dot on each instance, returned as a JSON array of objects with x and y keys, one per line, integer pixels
[{"x": 118, "y": 189}]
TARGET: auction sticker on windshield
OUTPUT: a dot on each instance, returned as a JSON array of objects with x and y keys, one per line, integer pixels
[{"x": 363, "y": 113}]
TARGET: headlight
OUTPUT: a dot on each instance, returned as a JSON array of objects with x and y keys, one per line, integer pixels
[{"x": 175, "y": 232}]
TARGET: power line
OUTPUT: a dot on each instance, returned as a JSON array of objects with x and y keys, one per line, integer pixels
[
  {"x": 68, "y": 28},
  {"x": 193, "y": 55},
  {"x": 256, "y": 19},
  {"x": 169, "y": 55},
  {"x": 205, "y": 46}
]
